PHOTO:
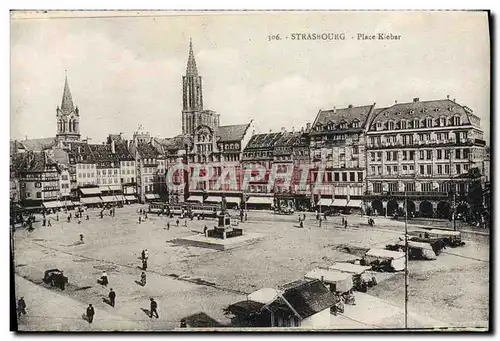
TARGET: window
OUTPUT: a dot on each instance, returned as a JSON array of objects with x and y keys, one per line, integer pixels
[
  {"x": 440, "y": 169},
  {"x": 421, "y": 169},
  {"x": 336, "y": 176},
  {"x": 412, "y": 169},
  {"x": 390, "y": 125},
  {"x": 416, "y": 123},
  {"x": 447, "y": 154},
  {"x": 395, "y": 169},
  {"x": 352, "y": 176},
  {"x": 377, "y": 187},
  {"x": 429, "y": 155},
  {"x": 459, "y": 170},
  {"x": 429, "y": 169},
  {"x": 389, "y": 168},
  {"x": 405, "y": 169},
  {"x": 344, "y": 176},
  {"x": 378, "y": 126},
  {"x": 405, "y": 155},
  {"x": 379, "y": 156},
  {"x": 457, "y": 153},
  {"x": 39, "y": 195},
  {"x": 403, "y": 124},
  {"x": 372, "y": 156},
  {"x": 466, "y": 154},
  {"x": 360, "y": 176},
  {"x": 355, "y": 150},
  {"x": 439, "y": 154},
  {"x": 412, "y": 155},
  {"x": 389, "y": 154},
  {"x": 428, "y": 123},
  {"x": 446, "y": 169},
  {"x": 421, "y": 154},
  {"x": 393, "y": 186},
  {"x": 409, "y": 187},
  {"x": 466, "y": 168},
  {"x": 456, "y": 120}
]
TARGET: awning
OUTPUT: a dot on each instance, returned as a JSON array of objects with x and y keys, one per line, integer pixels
[
  {"x": 339, "y": 202},
  {"x": 52, "y": 204},
  {"x": 197, "y": 198},
  {"x": 89, "y": 191},
  {"x": 233, "y": 200},
  {"x": 108, "y": 198},
  {"x": 260, "y": 200},
  {"x": 213, "y": 199},
  {"x": 76, "y": 203},
  {"x": 325, "y": 202},
  {"x": 114, "y": 188},
  {"x": 120, "y": 197},
  {"x": 67, "y": 203},
  {"x": 354, "y": 203},
  {"x": 91, "y": 200},
  {"x": 151, "y": 196},
  {"x": 130, "y": 197}
]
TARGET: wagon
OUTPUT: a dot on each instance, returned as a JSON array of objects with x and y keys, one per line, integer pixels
[
  {"x": 55, "y": 278},
  {"x": 450, "y": 238}
]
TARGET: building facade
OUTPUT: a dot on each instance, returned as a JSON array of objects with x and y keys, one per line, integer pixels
[{"x": 421, "y": 152}]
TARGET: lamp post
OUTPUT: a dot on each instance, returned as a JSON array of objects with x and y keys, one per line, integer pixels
[{"x": 406, "y": 262}]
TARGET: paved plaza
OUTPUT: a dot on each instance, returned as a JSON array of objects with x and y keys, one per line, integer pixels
[{"x": 186, "y": 279}]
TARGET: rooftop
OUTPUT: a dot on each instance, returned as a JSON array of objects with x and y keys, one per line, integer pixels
[{"x": 232, "y": 133}]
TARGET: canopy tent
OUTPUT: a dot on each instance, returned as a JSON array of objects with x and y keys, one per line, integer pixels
[
  {"x": 91, "y": 200},
  {"x": 349, "y": 268},
  {"x": 354, "y": 203},
  {"x": 341, "y": 280},
  {"x": 426, "y": 249},
  {"x": 264, "y": 295},
  {"x": 339, "y": 202},
  {"x": 260, "y": 200},
  {"x": 325, "y": 202},
  {"x": 397, "y": 258},
  {"x": 445, "y": 232},
  {"x": 213, "y": 199},
  {"x": 233, "y": 200},
  {"x": 152, "y": 196},
  {"x": 197, "y": 198},
  {"x": 90, "y": 191}
]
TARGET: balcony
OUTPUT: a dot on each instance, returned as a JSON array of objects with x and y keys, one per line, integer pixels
[
  {"x": 412, "y": 194},
  {"x": 50, "y": 188}
]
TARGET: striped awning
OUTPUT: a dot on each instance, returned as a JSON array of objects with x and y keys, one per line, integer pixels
[
  {"x": 52, "y": 204},
  {"x": 213, "y": 199},
  {"x": 91, "y": 200},
  {"x": 339, "y": 202},
  {"x": 260, "y": 200},
  {"x": 197, "y": 198}
]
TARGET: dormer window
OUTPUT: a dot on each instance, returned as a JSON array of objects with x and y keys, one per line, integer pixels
[
  {"x": 343, "y": 125},
  {"x": 442, "y": 121},
  {"x": 403, "y": 124},
  {"x": 378, "y": 126},
  {"x": 428, "y": 122},
  {"x": 390, "y": 125},
  {"x": 355, "y": 124},
  {"x": 457, "y": 121},
  {"x": 416, "y": 123}
]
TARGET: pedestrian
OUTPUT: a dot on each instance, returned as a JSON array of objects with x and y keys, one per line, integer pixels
[
  {"x": 146, "y": 254},
  {"x": 185, "y": 222},
  {"x": 177, "y": 221},
  {"x": 70, "y": 215},
  {"x": 345, "y": 223},
  {"x": 104, "y": 279},
  {"x": 21, "y": 307},
  {"x": 144, "y": 264},
  {"x": 57, "y": 217},
  {"x": 301, "y": 224},
  {"x": 48, "y": 223},
  {"x": 100, "y": 214},
  {"x": 112, "y": 297},
  {"x": 143, "y": 278},
  {"x": 205, "y": 230},
  {"x": 139, "y": 219},
  {"x": 87, "y": 218},
  {"x": 145, "y": 216},
  {"x": 81, "y": 239},
  {"x": 69, "y": 219},
  {"x": 90, "y": 313},
  {"x": 44, "y": 222},
  {"x": 143, "y": 254},
  {"x": 153, "y": 308},
  {"x": 79, "y": 220},
  {"x": 168, "y": 225},
  {"x": 304, "y": 217},
  {"x": 246, "y": 217}
]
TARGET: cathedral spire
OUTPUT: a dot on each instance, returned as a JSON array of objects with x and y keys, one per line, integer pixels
[
  {"x": 67, "y": 101},
  {"x": 191, "y": 69}
]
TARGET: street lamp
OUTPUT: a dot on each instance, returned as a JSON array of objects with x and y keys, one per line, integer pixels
[{"x": 406, "y": 261}]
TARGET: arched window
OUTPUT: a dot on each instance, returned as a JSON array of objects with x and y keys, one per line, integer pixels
[
  {"x": 74, "y": 125},
  {"x": 416, "y": 123},
  {"x": 403, "y": 124},
  {"x": 457, "y": 121},
  {"x": 428, "y": 123},
  {"x": 378, "y": 126},
  {"x": 390, "y": 125}
]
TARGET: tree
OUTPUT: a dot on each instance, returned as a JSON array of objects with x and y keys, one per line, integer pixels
[{"x": 475, "y": 194}]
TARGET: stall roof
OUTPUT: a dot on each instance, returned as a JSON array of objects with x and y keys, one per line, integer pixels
[
  {"x": 201, "y": 320},
  {"x": 350, "y": 268},
  {"x": 247, "y": 307},
  {"x": 260, "y": 200},
  {"x": 381, "y": 253},
  {"x": 264, "y": 295},
  {"x": 151, "y": 196},
  {"x": 233, "y": 200},
  {"x": 130, "y": 197},
  {"x": 109, "y": 198},
  {"x": 445, "y": 232},
  {"x": 416, "y": 245},
  {"x": 52, "y": 204},
  {"x": 325, "y": 202},
  {"x": 89, "y": 191},
  {"x": 327, "y": 275}
]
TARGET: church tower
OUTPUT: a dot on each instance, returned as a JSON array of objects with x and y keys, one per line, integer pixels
[
  {"x": 68, "y": 117},
  {"x": 192, "y": 95}
]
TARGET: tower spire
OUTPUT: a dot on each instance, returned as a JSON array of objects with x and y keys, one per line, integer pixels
[
  {"x": 67, "y": 101},
  {"x": 191, "y": 69}
]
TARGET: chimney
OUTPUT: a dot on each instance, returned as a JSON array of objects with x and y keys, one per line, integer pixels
[
  {"x": 334, "y": 110},
  {"x": 302, "y": 129},
  {"x": 350, "y": 106},
  {"x": 447, "y": 96},
  {"x": 396, "y": 102},
  {"x": 113, "y": 146},
  {"x": 283, "y": 129},
  {"x": 454, "y": 100},
  {"x": 308, "y": 126},
  {"x": 415, "y": 99}
]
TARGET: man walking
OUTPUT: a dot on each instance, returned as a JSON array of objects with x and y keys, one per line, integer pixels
[
  {"x": 177, "y": 221},
  {"x": 144, "y": 264},
  {"x": 112, "y": 297},
  {"x": 168, "y": 225},
  {"x": 21, "y": 307},
  {"x": 153, "y": 308},
  {"x": 90, "y": 313}
]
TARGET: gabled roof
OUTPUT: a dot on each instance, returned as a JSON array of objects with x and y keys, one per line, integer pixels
[
  {"x": 171, "y": 143},
  {"x": 33, "y": 162},
  {"x": 289, "y": 139},
  {"x": 263, "y": 141},
  {"x": 37, "y": 145},
  {"x": 305, "y": 299},
  {"x": 146, "y": 150},
  {"x": 61, "y": 156},
  {"x": 232, "y": 133},
  {"x": 122, "y": 152},
  {"x": 349, "y": 114}
]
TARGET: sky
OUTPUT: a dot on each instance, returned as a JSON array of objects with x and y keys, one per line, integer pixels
[{"x": 125, "y": 69}]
